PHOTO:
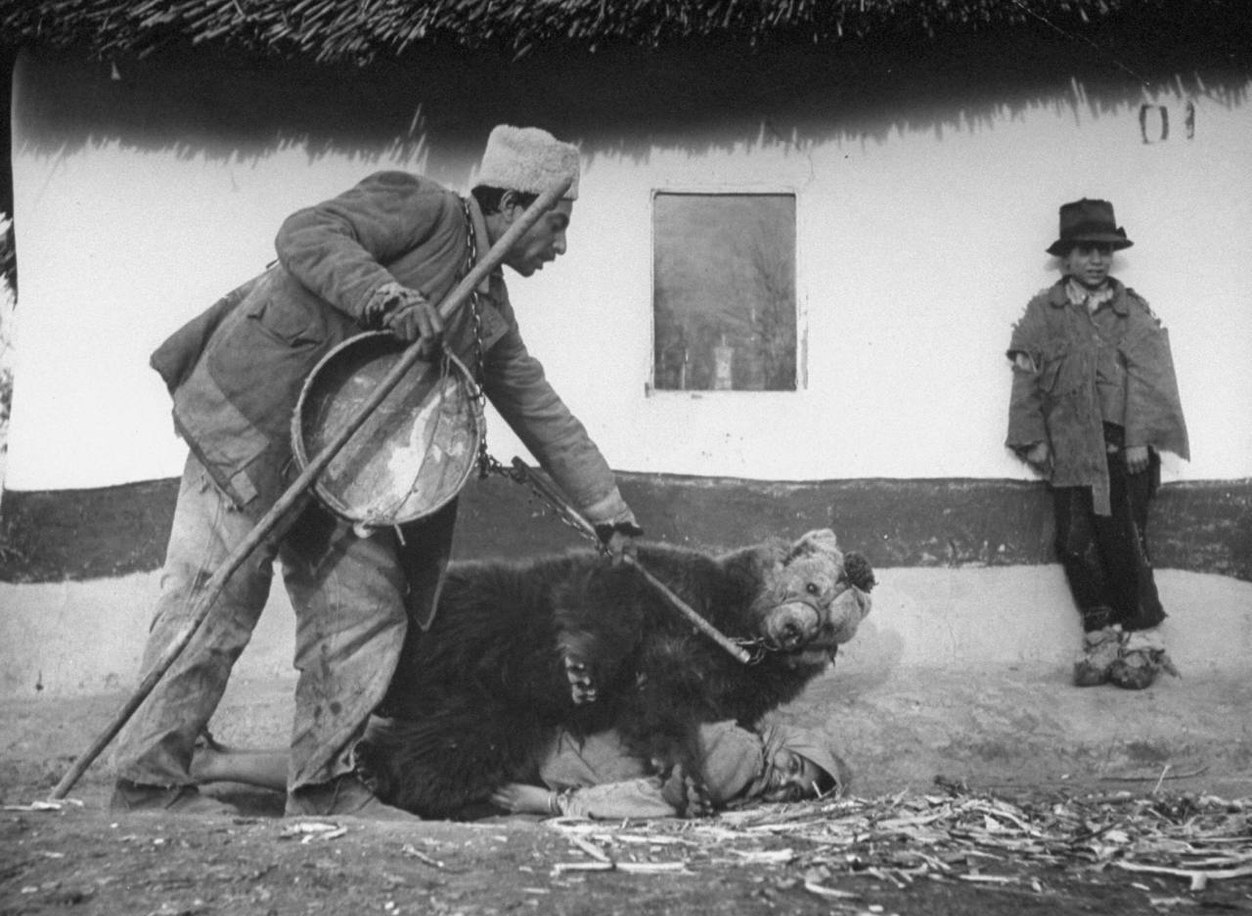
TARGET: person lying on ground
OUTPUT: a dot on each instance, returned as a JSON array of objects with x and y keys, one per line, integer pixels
[{"x": 595, "y": 776}]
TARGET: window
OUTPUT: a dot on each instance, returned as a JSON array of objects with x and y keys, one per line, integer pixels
[{"x": 724, "y": 292}]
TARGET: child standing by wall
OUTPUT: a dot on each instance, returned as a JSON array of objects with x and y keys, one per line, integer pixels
[{"x": 1094, "y": 399}]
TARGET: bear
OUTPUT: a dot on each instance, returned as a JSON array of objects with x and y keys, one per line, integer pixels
[{"x": 519, "y": 648}]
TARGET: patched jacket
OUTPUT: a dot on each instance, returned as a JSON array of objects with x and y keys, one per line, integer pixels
[
  {"x": 236, "y": 371},
  {"x": 1074, "y": 371}
]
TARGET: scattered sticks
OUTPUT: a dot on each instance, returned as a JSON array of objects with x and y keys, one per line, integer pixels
[{"x": 958, "y": 835}]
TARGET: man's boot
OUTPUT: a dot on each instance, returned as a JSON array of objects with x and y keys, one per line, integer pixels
[
  {"x": 136, "y": 798},
  {"x": 1100, "y": 649},
  {"x": 1141, "y": 659},
  {"x": 344, "y": 796}
]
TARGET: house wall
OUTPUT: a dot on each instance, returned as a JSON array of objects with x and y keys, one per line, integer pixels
[
  {"x": 927, "y": 182},
  {"x": 924, "y": 206}
]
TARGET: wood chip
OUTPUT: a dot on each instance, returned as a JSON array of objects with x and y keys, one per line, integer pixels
[
  {"x": 590, "y": 849},
  {"x": 830, "y": 893}
]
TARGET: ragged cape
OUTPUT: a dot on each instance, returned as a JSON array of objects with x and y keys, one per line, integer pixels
[{"x": 1073, "y": 367}]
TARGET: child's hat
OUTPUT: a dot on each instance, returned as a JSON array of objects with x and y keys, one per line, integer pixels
[
  {"x": 529, "y": 160},
  {"x": 1088, "y": 221}
]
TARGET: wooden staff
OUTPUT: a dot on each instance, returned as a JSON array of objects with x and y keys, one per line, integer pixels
[
  {"x": 549, "y": 492},
  {"x": 212, "y": 588}
]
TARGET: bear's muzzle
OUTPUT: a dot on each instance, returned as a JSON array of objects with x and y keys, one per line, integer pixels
[
  {"x": 800, "y": 626},
  {"x": 793, "y": 625}
]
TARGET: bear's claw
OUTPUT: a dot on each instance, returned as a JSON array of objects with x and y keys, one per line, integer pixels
[{"x": 582, "y": 687}]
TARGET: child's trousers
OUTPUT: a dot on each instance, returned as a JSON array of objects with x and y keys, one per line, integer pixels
[{"x": 1106, "y": 557}]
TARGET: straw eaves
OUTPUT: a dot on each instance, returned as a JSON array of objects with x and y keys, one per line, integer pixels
[{"x": 359, "y": 31}]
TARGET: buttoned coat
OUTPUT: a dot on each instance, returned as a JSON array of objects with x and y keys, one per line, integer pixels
[{"x": 235, "y": 372}]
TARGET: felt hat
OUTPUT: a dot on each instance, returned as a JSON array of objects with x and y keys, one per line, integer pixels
[
  {"x": 1088, "y": 221},
  {"x": 529, "y": 160}
]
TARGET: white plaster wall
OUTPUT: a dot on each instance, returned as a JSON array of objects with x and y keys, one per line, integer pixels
[
  {"x": 78, "y": 638},
  {"x": 120, "y": 247},
  {"x": 916, "y": 256},
  {"x": 917, "y": 252}
]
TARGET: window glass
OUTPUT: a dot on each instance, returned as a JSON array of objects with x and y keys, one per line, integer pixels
[{"x": 724, "y": 292}]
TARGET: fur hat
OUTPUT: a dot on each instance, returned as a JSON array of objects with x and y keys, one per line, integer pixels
[
  {"x": 1088, "y": 221},
  {"x": 529, "y": 160}
]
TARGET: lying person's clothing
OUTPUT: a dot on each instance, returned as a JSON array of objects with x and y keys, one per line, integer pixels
[{"x": 597, "y": 777}]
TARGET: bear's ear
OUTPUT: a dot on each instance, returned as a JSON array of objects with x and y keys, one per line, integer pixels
[{"x": 820, "y": 541}]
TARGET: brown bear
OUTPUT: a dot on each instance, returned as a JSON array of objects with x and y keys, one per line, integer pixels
[{"x": 519, "y": 648}]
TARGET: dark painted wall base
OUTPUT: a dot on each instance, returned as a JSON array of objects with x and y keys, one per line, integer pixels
[{"x": 1202, "y": 526}]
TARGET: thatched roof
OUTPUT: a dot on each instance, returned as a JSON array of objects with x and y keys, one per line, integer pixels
[{"x": 359, "y": 31}]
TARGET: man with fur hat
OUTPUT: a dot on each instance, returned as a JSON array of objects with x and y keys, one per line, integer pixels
[
  {"x": 1094, "y": 400},
  {"x": 373, "y": 258}
]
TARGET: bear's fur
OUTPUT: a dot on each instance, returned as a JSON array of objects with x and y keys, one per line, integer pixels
[{"x": 475, "y": 698}]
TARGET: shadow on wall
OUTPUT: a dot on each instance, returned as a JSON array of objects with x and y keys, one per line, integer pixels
[
  {"x": 8, "y": 303},
  {"x": 620, "y": 101}
]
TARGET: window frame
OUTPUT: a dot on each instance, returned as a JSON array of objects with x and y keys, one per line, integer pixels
[{"x": 800, "y": 343}]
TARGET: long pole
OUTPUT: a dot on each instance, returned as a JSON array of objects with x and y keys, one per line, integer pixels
[
  {"x": 584, "y": 527},
  {"x": 212, "y": 587}
]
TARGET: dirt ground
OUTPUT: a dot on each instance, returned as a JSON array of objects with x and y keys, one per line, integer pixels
[
  {"x": 83, "y": 860},
  {"x": 948, "y": 848}
]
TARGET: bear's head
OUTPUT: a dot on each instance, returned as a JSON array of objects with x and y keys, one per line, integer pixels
[{"x": 812, "y": 598}]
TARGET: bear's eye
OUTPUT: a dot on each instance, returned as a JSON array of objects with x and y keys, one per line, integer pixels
[{"x": 813, "y": 588}]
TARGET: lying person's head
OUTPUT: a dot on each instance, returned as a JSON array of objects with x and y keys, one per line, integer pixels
[
  {"x": 780, "y": 763},
  {"x": 800, "y": 764}
]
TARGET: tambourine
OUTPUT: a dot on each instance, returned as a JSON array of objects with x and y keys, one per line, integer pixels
[{"x": 412, "y": 455}]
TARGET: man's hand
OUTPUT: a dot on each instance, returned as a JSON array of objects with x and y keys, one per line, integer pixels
[
  {"x": 523, "y": 799},
  {"x": 619, "y": 539},
  {"x": 686, "y": 794},
  {"x": 1039, "y": 455},
  {"x": 407, "y": 315},
  {"x": 1136, "y": 458},
  {"x": 412, "y": 318}
]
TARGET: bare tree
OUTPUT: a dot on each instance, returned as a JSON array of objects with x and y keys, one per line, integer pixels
[{"x": 766, "y": 312}]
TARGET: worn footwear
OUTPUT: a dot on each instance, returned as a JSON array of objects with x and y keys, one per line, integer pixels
[
  {"x": 205, "y": 746},
  {"x": 1141, "y": 659},
  {"x": 343, "y": 796},
  {"x": 1100, "y": 649},
  {"x": 136, "y": 798}
]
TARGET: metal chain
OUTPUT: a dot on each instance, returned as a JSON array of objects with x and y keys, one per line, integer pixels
[
  {"x": 519, "y": 475},
  {"x": 757, "y": 649},
  {"x": 487, "y": 464}
]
